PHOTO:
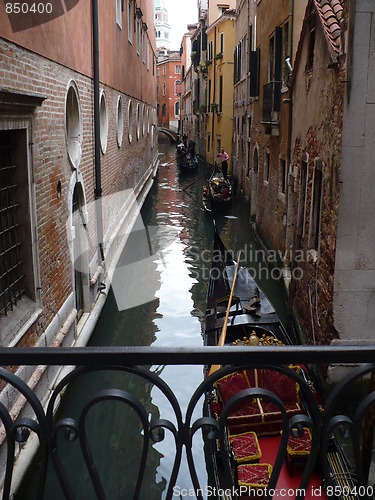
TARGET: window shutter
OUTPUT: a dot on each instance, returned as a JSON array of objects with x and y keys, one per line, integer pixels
[
  {"x": 254, "y": 73},
  {"x": 204, "y": 40},
  {"x": 278, "y": 53},
  {"x": 235, "y": 66}
]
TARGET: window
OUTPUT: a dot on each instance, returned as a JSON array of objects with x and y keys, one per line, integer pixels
[
  {"x": 302, "y": 197},
  {"x": 73, "y": 126},
  {"x": 119, "y": 13},
  {"x": 157, "y": 71},
  {"x": 138, "y": 35},
  {"x": 271, "y": 59},
  {"x": 209, "y": 95},
  {"x": 119, "y": 122},
  {"x": 177, "y": 108},
  {"x": 218, "y": 145},
  {"x": 222, "y": 9},
  {"x": 255, "y": 72},
  {"x": 130, "y": 121},
  {"x": 285, "y": 54},
  {"x": 283, "y": 175},
  {"x": 267, "y": 167},
  {"x": 130, "y": 21},
  {"x": 163, "y": 110},
  {"x": 157, "y": 90},
  {"x": 221, "y": 46},
  {"x": 18, "y": 275},
  {"x": 143, "y": 47},
  {"x": 143, "y": 119},
  {"x": 208, "y": 142},
  {"x": 148, "y": 55},
  {"x": 164, "y": 70},
  {"x": 138, "y": 121},
  {"x": 220, "y": 94},
  {"x": 103, "y": 122},
  {"x": 164, "y": 88},
  {"x": 12, "y": 267},
  {"x": 210, "y": 51},
  {"x": 316, "y": 202},
  {"x": 177, "y": 70}
]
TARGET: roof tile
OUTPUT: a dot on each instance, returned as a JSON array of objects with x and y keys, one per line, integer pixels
[{"x": 330, "y": 13}]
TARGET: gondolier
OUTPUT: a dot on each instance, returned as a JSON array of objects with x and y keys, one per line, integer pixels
[{"x": 223, "y": 157}]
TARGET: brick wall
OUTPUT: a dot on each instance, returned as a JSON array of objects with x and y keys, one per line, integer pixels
[{"x": 122, "y": 167}]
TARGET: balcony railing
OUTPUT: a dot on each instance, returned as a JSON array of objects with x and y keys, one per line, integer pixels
[
  {"x": 271, "y": 103},
  {"x": 181, "y": 425}
]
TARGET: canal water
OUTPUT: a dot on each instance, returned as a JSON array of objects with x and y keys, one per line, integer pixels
[{"x": 173, "y": 243}]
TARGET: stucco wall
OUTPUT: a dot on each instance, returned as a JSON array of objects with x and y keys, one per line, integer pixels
[{"x": 354, "y": 297}]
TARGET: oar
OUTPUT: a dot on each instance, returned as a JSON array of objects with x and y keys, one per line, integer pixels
[
  {"x": 223, "y": 334},
  {"x": 200, "y": 177},
  {"x": 165, "y": 164}
]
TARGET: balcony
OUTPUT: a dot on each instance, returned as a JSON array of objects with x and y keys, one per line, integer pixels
[
  {"x": 181, "y": 425},
  {"x": 271, "y": 106}
]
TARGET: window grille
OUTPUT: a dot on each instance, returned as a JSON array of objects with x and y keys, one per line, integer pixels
[{"x": 11, "y": 276}]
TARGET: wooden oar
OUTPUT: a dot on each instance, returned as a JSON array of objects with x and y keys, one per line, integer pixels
[
  {"x": 200, "y": 177},
  {"x": 223, "y": 334}
]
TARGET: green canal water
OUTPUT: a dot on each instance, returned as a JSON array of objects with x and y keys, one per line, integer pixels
[{"x": 174, "y": 243}]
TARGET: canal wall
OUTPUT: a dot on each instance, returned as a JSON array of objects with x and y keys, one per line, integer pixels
[{"x": 43, "y": 379}]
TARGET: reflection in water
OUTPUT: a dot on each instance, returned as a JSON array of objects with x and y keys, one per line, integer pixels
[{"x": 174, "y": 245}]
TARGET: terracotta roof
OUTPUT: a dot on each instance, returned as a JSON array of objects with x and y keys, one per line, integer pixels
[{"x": 330, "y": 13}]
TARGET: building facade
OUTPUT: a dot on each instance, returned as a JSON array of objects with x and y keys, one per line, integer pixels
[
  {"x": 162, "y": 26},
  {"x": 169, "y": 74},
  {"x": 220, "y": 47}
]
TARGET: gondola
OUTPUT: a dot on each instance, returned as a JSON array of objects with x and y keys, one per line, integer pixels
[
  {"x": 217, "y": 194},
  {"x": 186, "y": 161},
  {"x": 252, "y": 427}
]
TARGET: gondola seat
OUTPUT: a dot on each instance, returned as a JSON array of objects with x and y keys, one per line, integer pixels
[
  {"x": 245, "y": 447},
  {"x": 254, "y": 476},
  {"x": 259, "y": 415},
  {"x": 298, "y": 449}
]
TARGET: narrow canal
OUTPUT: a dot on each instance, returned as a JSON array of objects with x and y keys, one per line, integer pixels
[{"x": 170, "y": 293}]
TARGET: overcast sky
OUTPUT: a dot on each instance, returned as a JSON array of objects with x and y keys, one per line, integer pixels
[{"x": 181, "y": 13}]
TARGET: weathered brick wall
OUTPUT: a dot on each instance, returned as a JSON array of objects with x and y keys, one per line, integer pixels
[
  {"x": 122, "y": 167},
  {"x": 317, "y": 131}
]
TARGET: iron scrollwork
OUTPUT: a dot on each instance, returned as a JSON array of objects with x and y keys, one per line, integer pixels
[{"x": 52, "y": 429}]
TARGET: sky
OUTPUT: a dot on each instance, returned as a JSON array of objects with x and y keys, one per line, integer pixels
[{"x": 181, "y": 13}]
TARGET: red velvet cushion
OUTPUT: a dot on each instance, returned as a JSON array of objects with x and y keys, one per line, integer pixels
[
  {"x": 300, "y": 445},
  {"x": 245, "y": 447},
  {"x": 254, "y": 475},
  {"x": 230, "y": 385},
  {"x": 281, "y": 385}
]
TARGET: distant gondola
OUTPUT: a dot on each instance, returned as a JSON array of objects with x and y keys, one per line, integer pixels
[
  {"x": 253, "y": 428},
  {"x": 217, "y": 194},
  {"x": 186, "y": 160}
]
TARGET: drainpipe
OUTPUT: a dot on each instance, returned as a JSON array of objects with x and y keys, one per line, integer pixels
[
  {"x": 98, "y": 180},
  {"x": 214, "y": 96}
]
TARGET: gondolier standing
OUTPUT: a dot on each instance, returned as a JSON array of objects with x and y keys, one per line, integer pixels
[{"x": 224, "y": 157}]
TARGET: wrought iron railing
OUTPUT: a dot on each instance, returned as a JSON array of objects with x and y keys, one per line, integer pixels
[
  {"x": 322, "y": 422},
  {"x": 271, "y": 102}
]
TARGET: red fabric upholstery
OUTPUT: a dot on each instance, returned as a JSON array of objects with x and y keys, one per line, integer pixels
[
  {"x": 281, "y": 385},
  {"x": 261, "y": 417},
  {"x": 300, "y": 445},
  {"x": 231, "y": 384},
  {"x": 254, "y": 475},
  {"x": 245, "y": 447}
]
